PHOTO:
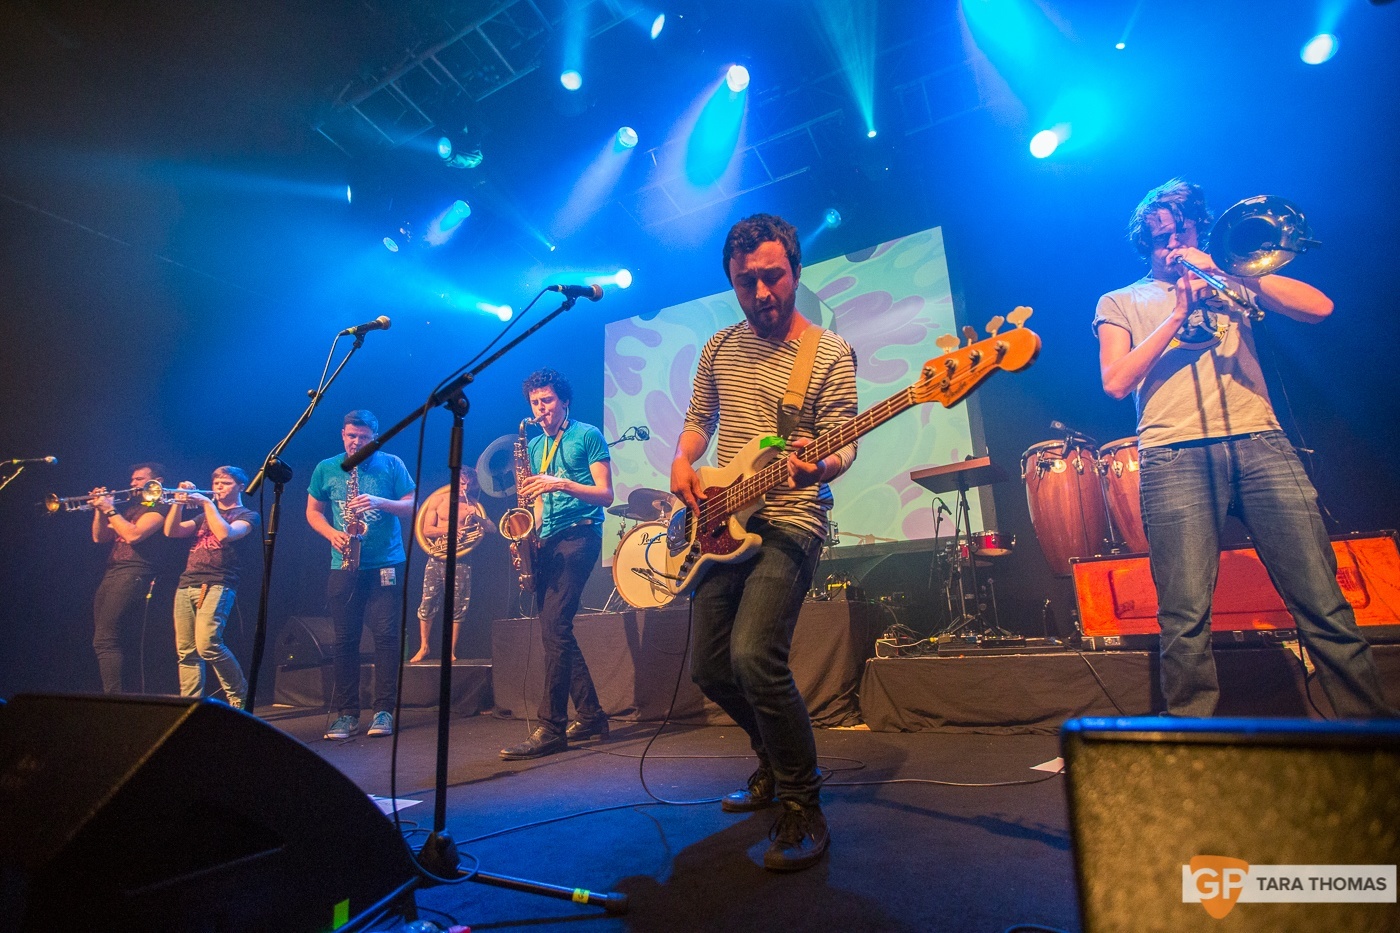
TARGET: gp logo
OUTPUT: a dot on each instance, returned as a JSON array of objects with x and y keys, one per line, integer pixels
[{"x": 1216, "y": 881}]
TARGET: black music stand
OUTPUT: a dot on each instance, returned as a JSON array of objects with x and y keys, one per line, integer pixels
[{"x": 962, "y": 476}]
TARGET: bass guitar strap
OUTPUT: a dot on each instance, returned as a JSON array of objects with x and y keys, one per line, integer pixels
[{"x": 798, "y": 381}]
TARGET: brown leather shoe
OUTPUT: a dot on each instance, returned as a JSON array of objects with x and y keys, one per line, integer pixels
[
  {"x": 579, "y": 731},
  {"x": 759, "y": 793},
  {"x": 539, "y": 744}
]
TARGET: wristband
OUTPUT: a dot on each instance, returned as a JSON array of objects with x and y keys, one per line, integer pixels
[{"x": 110, "y": 514}]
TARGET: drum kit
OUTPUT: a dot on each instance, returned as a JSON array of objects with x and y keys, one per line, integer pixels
[
  {"x": 640, "y": 557},
  {"x": 1083, "y": 498},
  {"x": 970, "y": 596}
]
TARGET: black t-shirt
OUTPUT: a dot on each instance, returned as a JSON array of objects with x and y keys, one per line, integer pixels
[
  {"x": 213, "y": 561},
  {"x": 149, "y": 556}
]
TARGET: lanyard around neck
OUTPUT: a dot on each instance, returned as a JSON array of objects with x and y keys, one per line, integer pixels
[{"x": 550, "y": 451}]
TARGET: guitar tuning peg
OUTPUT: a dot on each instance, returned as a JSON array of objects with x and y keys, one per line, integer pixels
[
  {"x": 994, "y": 325},
  {"x": 947, "y": 343},
  {"x": 1020, "y": 315},
  {"x": 970, "y": 333}
]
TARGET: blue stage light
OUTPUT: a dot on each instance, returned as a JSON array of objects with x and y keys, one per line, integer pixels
[
  {"x": 738, "y": 78},
  {"x": 444, "y": 148},
  {"x": 1319, "y": 49},
  {"x": 458, "y": 212},
  {"x": 1044, "y": 143},
  {"x": 627, "y": 137},
  {"x": 658, "y": 24},
  {"x": 390, "y": 245},
  {"x": 571, "y": 80},
  {"x": 349, "y": 195},
  {"x": 623, "y": 278},
  {"x": 870, "y": 133},
  {"x": 833, "y": 217},
  {"x": 1121, "y": 46}
]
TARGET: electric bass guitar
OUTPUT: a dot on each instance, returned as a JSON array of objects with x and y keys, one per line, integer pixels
[{"x": 715, "y": 533}]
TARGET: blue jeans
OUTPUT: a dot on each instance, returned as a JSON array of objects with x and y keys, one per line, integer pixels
[
  {"x": 1187, "y": 489},
  {"x": 562, "y": 566},
  {"x": 355, "y": 600},
  {"x": 744, "y": 616},
  {"x": 200, "y": 616}
]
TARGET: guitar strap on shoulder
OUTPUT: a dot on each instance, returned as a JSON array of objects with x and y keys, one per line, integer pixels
[{"x": 791, "y": 407}]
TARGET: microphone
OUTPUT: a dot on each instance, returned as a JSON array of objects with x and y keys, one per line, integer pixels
[
  {"x": 642, "y": 433},
  {"x": 23, "y": 460},
  {"x": 380, "y": 323},
  {"x": 591, "y": 292}
]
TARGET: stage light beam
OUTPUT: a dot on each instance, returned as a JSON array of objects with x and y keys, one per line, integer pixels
[
  {"x": 627, "y": 137},
  {"x": 1319, "y": 48},
  {"x": 737, "y": 78},
  {"x": 1044, "y": 143},
  {"x": 658, "y": 24},
  {"x": 571, "y": 80}
]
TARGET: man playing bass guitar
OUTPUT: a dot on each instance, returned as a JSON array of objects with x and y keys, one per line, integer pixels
[{"x": 744, "y": 612}]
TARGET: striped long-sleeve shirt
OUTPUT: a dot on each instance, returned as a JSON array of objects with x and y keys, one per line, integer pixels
[{"x": 739, "y": 384}]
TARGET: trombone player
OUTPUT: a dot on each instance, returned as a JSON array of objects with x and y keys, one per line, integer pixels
[
  {"x": 123, "y": 597},
  {"x": 1209, "y": 443}
]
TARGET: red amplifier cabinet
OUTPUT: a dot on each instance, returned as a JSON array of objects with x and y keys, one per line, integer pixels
[{"x": 1116, "y": 595}]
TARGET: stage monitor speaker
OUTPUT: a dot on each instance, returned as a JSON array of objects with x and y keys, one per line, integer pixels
[
  {"x": 158, "y": 814},
  {"x": 1162, "y": 807},
  {"x": 309, "y": 641}
]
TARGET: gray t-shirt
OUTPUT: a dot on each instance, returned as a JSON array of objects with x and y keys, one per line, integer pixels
[{"x": 1208, "y": 384}]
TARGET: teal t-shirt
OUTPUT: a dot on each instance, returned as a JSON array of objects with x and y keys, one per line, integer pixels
[
  {"x": 382, "y": 475},
  {"x": 580, "y": 447}
]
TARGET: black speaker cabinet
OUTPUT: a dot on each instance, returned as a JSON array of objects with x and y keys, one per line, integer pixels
[
  {"x": 1238, "y": 796},
  {"x": 157, "y": 814}
]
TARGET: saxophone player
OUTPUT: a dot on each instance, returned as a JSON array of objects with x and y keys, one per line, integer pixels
[
  {"x": 571, "y": 485},
  {"x": 366, "y": 581}
]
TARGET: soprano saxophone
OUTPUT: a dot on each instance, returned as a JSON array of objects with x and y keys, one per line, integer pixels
[
  {"x": 355, "y": 525},
  {"x": 517, "y": 525}
]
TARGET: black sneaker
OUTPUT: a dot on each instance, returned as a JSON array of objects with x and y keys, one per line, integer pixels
[
  {"x": 578, "y": 731},
  {"x": 800, "y": 838},
  {"x": 759, "y": 793},
  {"x": 539, "y": 744}
]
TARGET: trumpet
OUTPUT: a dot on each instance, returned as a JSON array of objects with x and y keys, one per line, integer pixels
[
  {"x": 153, "y": 493},
  {"x": 83, "y": 503}
]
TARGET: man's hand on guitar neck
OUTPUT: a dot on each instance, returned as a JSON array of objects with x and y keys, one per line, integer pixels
[{"x": 800, "y": 472}]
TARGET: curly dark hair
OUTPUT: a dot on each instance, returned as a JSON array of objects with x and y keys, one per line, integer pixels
[
  {"x": 752, "y": 232},
  {"x": 1179, "y": 197},
  {"x": 548, "y": 379}
]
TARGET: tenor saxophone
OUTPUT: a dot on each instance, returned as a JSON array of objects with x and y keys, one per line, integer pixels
[{"x": 517, "y": 525}]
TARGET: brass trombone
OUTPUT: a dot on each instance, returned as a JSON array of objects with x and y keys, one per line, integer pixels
[{"x": 1257, "y": 236}]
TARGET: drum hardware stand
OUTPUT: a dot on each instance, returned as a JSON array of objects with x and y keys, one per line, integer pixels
[
  {"x": 971, "y": 610},
  {"x": 439, "y": 857}
]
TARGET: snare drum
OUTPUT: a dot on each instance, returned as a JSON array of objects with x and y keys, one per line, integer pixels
[
  {"x": 988, "y": 544},
  {"x": 1066, "y": 501},
  {"x": 638, "y": 565},
  {"x": 1118, "y": 463}
]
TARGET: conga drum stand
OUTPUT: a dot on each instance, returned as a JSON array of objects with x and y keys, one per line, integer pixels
[{"x": 969, "y": 614}]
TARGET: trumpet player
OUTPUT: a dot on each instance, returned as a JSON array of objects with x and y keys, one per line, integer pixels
[
  {"x": 207, "y": 589},
  {"x": 472, "y": 526},
  {"x": 1209, "y": 443},
  {"x": 365, "y": 587},
  {"x": 571, "y": 485},
  {"x": 123, "y": 597}
]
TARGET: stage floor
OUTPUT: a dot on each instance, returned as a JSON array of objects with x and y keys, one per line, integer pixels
[{"x": 944, "y": 851}]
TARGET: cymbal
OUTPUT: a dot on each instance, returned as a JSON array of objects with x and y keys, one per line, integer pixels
[
  {"x": 625, "y": 511},
  {"x": 647, "y": 505}
]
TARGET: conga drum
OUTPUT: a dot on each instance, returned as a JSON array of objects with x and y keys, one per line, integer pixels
[
  {"x": 1066, "y": 501},
  {"x": 1118, "y": 462}
]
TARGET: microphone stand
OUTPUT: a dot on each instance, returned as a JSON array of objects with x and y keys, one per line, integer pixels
[
  {"x": 439, "y": 856},
  {"x": 280, "y": 473}
]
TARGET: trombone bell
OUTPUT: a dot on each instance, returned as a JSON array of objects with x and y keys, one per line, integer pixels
[{"x": 1259, "y": 236}]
